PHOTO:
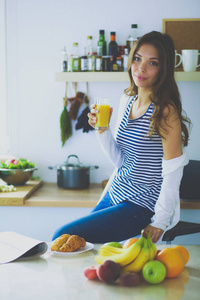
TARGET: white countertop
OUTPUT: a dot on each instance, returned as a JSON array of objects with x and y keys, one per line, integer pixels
[{"x": 51, "y": 277}]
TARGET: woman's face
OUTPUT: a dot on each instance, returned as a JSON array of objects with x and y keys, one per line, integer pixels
[{"x": 145, "y": 67}]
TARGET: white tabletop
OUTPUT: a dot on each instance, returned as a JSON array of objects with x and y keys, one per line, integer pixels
[{"x": 52, "y": 277}]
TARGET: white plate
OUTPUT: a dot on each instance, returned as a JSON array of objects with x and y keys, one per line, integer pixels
[{"x": 87, "y": 247}]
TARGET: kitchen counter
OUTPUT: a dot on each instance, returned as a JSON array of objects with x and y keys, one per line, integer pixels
[
  {"x": 51, "y": 277},
  {"x": 50, "y": 195}
]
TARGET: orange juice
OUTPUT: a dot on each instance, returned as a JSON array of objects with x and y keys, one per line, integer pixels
[{"x": 102, "y": 116}]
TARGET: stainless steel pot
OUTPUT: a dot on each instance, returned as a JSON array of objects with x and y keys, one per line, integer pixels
[{"x": 73, "y": 176}]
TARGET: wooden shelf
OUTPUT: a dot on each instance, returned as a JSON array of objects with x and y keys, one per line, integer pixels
[{"x": 114, "y": 76}]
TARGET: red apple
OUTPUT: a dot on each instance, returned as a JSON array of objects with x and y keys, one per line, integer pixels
[
  {"x": 129, "y": 279},
  {"x": 108, "y": 271},
  {"x": 91, "y": 272}
]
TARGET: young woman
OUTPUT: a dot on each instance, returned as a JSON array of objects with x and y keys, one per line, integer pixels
[{"x": 147, "y": 151}]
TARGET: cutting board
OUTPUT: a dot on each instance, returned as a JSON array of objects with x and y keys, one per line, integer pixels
[{"x": 18, "y": 197}]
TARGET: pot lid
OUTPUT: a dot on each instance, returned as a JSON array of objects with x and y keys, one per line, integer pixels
[{"x": 70, "y": 165}]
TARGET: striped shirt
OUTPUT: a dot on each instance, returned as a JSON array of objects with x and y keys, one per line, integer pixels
[{"x": 140, "y": 177}]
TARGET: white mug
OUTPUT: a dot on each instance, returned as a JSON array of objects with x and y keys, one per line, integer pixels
[
  {"x": 180, "y": 59},
  {"x": 190, "y": 60}
]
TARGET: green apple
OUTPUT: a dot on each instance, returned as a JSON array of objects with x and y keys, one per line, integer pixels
[
  {"x": 114, "y": 244},
  {"x": 154, "y": 271}
]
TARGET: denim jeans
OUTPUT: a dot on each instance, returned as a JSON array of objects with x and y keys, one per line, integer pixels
[{"x": 109, "y": 222}]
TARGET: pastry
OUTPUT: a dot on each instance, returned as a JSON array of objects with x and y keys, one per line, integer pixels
[
  {"x": 72, "y": 244},
  {"x": 57, "y": 243},
  {"x": 67, "y": 243}
]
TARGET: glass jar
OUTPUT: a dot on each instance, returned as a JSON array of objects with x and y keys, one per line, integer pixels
[
  {"x": 105, "y": 63},
  {"x": 119, "y": 62},
  {"x": 99, "y": 59}
]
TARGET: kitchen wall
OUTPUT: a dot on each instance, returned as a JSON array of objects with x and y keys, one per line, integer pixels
[{"x": 36, "y": 32}]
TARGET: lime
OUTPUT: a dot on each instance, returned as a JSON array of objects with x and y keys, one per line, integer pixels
[{"x": 114, "y": 244}]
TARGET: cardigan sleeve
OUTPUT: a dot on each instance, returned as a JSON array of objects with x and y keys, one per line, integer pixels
[
  {"x": 167, "y": 207},
  {"x": 110, "y": 148},
  {"x": 108, "y": 141}
]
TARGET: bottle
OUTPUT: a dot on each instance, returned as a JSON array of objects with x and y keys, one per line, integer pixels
[
  {"x": 75, "y": 58},
  {"x": 119, "y": 62},
  {"x": 91, "y": 60},
  {"x": 132, "y": 37},
  {"x": 105, "y": 63},
  {"x": 99, "y": 59},
  {"x": 64, "y": 60},
  {"x": 113, "y": 47},
  {"x": 125, "y": 59},
  {"x": 84, "y": 61},
  {"x": 102, "y": 43},
  {"x": 89, "y": 43},
  {"x": 121, "y": 49},
  {"x": 113, "y": 66}
]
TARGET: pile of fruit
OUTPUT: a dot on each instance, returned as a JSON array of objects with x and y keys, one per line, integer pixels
[{"x": 136, "y": 259}]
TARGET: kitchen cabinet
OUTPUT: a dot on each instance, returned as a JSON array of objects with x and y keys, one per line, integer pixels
[{"x": 114, "y": 76}]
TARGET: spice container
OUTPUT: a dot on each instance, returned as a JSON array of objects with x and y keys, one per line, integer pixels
[
  {"x": 113, "y": 64},
  {"x": 91, "y": 61},
  {"x": 119, "y": 62},
  {"x": 99, "y": 59},
  {"x": 121, "y": 49},
  {"x": 84, "y": 62},
  {"x": 106, "y": 62}
]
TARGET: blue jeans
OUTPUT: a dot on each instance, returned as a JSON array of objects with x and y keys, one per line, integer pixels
[{"x": 109, "y": 222}]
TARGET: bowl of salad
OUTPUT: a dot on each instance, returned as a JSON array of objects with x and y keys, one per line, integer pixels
[{"x": 16, "y": 171}]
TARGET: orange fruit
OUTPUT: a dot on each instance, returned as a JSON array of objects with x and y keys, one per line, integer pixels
[
  {"x": 129, "y": 242},
  {"x": 184, "y": 252},
  {"x": 173, "y": 261}
]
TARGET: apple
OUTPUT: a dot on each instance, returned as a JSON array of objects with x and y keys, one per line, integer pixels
[
  {"x": 129, "y": 279},
  {"x": 108, "y": 271},
  {"x": 91, "y": 272},
  {"x": 114, "y": 244},
  {"x": 154, "y": 271}
]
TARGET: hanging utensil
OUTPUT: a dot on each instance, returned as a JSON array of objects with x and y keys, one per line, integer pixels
[{"x": 65, "y": 121}]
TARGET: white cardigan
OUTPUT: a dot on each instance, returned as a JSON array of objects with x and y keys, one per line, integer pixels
[{"x": 167, "y": 208}]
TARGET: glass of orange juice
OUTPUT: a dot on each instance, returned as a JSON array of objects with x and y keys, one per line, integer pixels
[{"x": 103, "y": 116}]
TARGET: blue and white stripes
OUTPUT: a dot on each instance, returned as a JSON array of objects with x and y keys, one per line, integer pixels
[{"x": 139, "y": 179}]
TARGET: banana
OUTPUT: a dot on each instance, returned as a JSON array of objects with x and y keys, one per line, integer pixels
[
  {"x": 112, "y": 249},
  {"x": 124, "y": 258},
  {"x": 137, "y": 264},
  {"x": 105, "y": 252},
  {"x": 153, "y": 250}
]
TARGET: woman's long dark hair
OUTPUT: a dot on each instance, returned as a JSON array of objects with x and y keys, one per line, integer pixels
[{"x": 165, "y": 90}]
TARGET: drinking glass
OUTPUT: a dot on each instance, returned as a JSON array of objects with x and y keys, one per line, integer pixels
[{"x": 103, "y": 116}]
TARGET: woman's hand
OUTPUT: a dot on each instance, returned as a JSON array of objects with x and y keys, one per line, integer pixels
[
  {"x": 92, "y": 116},
  {"x": 92, "y": 119},
  {"x": 155, "y": 232}
]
